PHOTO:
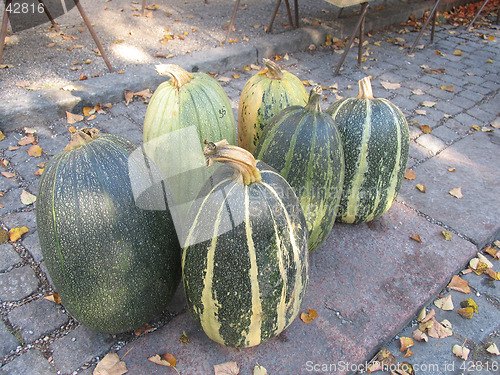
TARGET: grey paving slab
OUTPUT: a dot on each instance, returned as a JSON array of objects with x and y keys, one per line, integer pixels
[
  {"x": 8, "y": 256},
  {"x": 49, "y": 315},
  {"x": 8, "y": 341},
  {"x": 18, "y": 284},
  {"x": 78, "y": 347},
  {"x": 431, "y": 143},
  {"x": 343, "y": 280},
  {"x": 30, "y": 363},
  {"x": 473, "y": 215}
]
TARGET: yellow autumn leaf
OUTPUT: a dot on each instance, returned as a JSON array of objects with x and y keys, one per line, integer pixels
[
  {"x": 470, "y": 303},
  {"x": 54, "y": 297},
  {"x": 309, "y": 316},
  {"x": 16, "y": 233},
  {"x": 87, "y": 111},
  {"x": 27, "y": 198},
  {"x": 405, "y": 342},
  {"x": 449, "y": 88},
  {"x": 475, "y": 127},
  {"x": 416, "y": 237},
  {"x": 426, "y": 129},
  {"x": 2, "y": 136},
  {"x": 466, "y": 312},
  {"x": 35, "y": 151},
  {"x": 72, "y": 118},
  {"x": 165, "y": 359},
  {"x": 421, "y": 187},
  {"x": 259, "y": 370},
  {"x": 447, "y": 235},
  {"x": 4, "y": 236},
  {"x": 410, "y": 174},
  {"x": 444, "y": 303},
  {"x": 457, "y": 52}
]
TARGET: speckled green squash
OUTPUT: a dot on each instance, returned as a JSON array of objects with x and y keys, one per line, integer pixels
[
  {"x": 376, "y": 144},
  {"x": 264, "y": 95},
  {"x": 245, "y": 265},
  {"x": 114, "y": 265},
  {"x": 182, "y": 113},
  {"x": 303, "y": 144}
]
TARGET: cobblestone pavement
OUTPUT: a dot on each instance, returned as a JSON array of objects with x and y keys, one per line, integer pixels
[{"x": 39, "y": 337}]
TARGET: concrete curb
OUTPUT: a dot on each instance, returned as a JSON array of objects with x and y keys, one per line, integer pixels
[{"x": 47, "y": 104}]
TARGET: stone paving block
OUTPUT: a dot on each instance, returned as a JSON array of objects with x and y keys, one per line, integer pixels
[
  {"x": 431, "y": 143},
  {"x": 11, "y": 201},
  {"x": 491, "y": 107},
  {"x": 8, "y": 183},
  {"x": 18, "y": 284},
  {"x": 479, "y": 88},
  {"x": 463, "y": 102},
  {"x": 31, "y": 242},
  {"x": 78, "y": 347},
  {"x": 418, "y": 152},
  {"x": 405, "y": 104},
  {"x": 456, "y": 126},
  {"x": 448, "y": 107},
  {"x": 50, "y": 316},
  {"x": 8, "y": 341},
  {"x": 8, "y": 256},
  {"x": 30, "y": 363},
  {"x": 343, "y": 279},
  {"x": 471, "y": 95},
  {"x": 123, "y": 126},
  {"x": 466, "y": 120},
  {"x": 445, "y": 134},
  {"x": 21, "y": 219},
  {"x": 473, "y": 215}
]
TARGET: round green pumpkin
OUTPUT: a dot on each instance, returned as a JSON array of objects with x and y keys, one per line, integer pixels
[
  {"x": 304, "y": 146},
  {"x": 245, "y": 263},
  {"x": 376, "y": 143},
  {"x": 182, "y": 113},
  {"x": 114, "y": 265},
  {"x": 264, "y": 95}
]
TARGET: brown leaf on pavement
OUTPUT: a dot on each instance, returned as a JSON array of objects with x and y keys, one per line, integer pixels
[
  {"x": 426, "y": 129},
  {"x": 405, "y": 342},
  {"x": 129, "y": 96},
  {"x": 27, "y": 198},
  {"x": 449, "y": 88},
  {"x": 410, "y": 174},
  {"x": 226, "y": 368},
  {"x": 420, "y": 336},
  {"x": 309, "y": 316},
  {"x": 390, "y": 86},
  {"x": 439, "y": 330},
  {"x": 416, "y": 237},
  {"x": 110, "y": 365},
  {"x": 493, "y": 252},
  {"x": 72, "y": 118},
  {"x": 16, "y": 233},
  {"x": 54, "y": 297},
  {"x": 444, "y": 303},
  {"x": 459, "y": 284},
  {"x": 27, "y": 140},
  {"x": 35, "y": 151},
  {"x": 456, "y": 192},
  {"x": 461, "y": 351},
  {"x": 146, "y": 328},
  {"x": 421, "y": 187},
  {"x": 165, "y": 359},
  {"x": 466, "y": 312}
]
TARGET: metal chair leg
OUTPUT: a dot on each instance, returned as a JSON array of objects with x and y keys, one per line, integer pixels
[
  {"x": 3, "y": 29},
  {"x": 47, "y": 13},
  {"x": 296, "y": 9},
  {"x": 431, "y": 16},
  {"x": 477, "y": 14},
  {"x": 361, "y": 20},
  {"x": 233, "y": 17},
  {"x": 289, "y": 12},
  {"x": 275, "y": 11},
  {"x": 94, "y": 35}
]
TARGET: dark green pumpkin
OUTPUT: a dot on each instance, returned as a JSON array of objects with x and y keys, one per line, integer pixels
[
  {"x": 245, "y": 264},
  {"x": 376, "y": 143},
  {"x": 303, "y": 144},
  {"x": 114, "y": 265}
]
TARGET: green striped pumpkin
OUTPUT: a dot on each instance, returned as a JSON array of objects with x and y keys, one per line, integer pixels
[
  {"x": 114, "y": 265},
  {"x": 245, "y": 264},
  {"x": 264, "y": 95},
  {"x": 303, "y": 144},
  {"x": 376, "y": 144},
  {"x": 182, "y": 113}
]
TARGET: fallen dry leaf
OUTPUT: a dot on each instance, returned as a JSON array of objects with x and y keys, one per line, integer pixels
[
  {"x": 405, "y": 342},
  {"x": 494, "y": 275},
  {"x": 426, "y": 129},
  {"x": 459, "y": 284},
  {"x": 390, "y": 86},
  {"x": 146, "y": 328},
  {"x": 457, "y": 52},
  {"x": 54, "y": 297},
  {"x": 4, "y": 236},
  {"x": 493, "y": 252},
  {"x": 429, "y": 104},
  {"x": 475, "y": 127},
  {"x": 444, "y": 303},
  {"x": 428, "y": 316},
  {"x": 384, "y": 358},
  {"x": 421, "y": 112},
  {"x": 2, "y": 136},
  {"x": 8, "y": 174},
  {"x": 184, "y": 338},
  {"x": 227, "y": 368},
  {"x": 492, "y": 349},
  {"x": 146, "y": 93},
  {"x": 259, "y": 370},
  {"x": 110, "y": 365},
  {"x": 27, "y": 140},
  {"x": 309, "y": 316},
  {"x": 35, "y": 151},
  {"x": 165, "y": 359},
  {"x": 418, "y": 92},
  {"x": 87, "y": 111},
  {"x": 410, "y": 174},
  {"x": 440, "y": 330},
  {"x": 224, "y": 79},
  {"x": 420, "y": 187},
  {"x": 456, "y": 192},
  {"x": 470, "y": 303},
  {"x": 447, "y": 235},
  {"x": 451, "y": 169},
  {"x": 129, "y": 96},
  {"x": 72, "y": 118},
  {"x": 16, "y": 233},
  {"x": 449, "y": 88},
  {"x": 466, "y": 312},
  {"x": 27, "y": 198},
  {"x": 420, "y": 336},
  {"x": 408, "y": 353},
  {"x": 461, "y": 351},
  {"x": 416, "y": 237},
  {"x": 484, "y": 260}
]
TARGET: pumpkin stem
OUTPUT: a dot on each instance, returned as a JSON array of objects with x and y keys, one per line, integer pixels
[
  {"x": 314, "y": 100},
  {"x": 81, "y": 137},
  {"x": 272, "y": 70},
  {"x": 178, "y": 76},
  {"x": 241, "y": 160},
  {"x": 365, "y": 89}
]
